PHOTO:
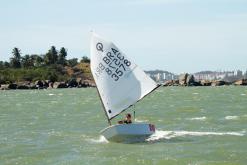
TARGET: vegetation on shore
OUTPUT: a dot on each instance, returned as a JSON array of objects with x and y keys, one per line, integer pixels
[
  {"x": 52, "y": 66},
  {"x": 54, "y": 70}
]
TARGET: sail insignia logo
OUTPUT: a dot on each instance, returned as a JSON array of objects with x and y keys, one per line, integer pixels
[{"x": 99, "y": 46}]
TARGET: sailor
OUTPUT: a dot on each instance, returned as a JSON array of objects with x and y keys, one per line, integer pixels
[{"x": 127, "y": 119}]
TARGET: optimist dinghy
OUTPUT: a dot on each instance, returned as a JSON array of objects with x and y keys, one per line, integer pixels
[{"x": 120, "y": 84}]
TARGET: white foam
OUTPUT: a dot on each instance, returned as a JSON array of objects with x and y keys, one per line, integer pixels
[
  {"x": 158, "y": 135},
  {"x": 51, "y": 94},
  {"x": 101, "y": 139},
  {"x": 140, "y": 121},
  {"x": 198, "y": 118},
  {"x": 195, "y": 93},
  {"x": 243, "y": 94},
  {"x": 231, "y": 117}
]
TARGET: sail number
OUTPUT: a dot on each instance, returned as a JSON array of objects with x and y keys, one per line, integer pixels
[{"x": 115, "y": 64}]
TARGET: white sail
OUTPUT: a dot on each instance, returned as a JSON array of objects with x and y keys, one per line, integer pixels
[{"x": 120, "y": 82}]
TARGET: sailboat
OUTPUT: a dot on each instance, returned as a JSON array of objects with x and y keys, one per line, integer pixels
[{"x": 120, "y": 84}]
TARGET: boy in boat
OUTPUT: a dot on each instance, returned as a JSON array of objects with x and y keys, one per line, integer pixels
[{"x": 127, "y": 119}]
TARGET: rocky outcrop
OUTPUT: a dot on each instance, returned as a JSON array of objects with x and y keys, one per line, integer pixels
[
  {"x": 4, "y": 86},
  {"x": 39, "y": 84},
  {"x": 47, "y": 84},
  {"x": 241, "y": 82},
  {"x": 172, "y": 83},
  {"x": 205, "y": 82},
  {"x": 84, "y": 83},
  {"x": 72, "y": 83},
  {"x": 219, "y": 83},
  {"x": 12, "y": 86},
  {"x": 60, "y": 85},
  {"x": 188, "y": 80},
  {"x": 183, "y": 79}
]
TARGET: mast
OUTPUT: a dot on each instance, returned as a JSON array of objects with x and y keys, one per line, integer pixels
[{"x": 109, "y": 121}]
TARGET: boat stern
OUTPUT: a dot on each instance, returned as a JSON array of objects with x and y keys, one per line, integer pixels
[{"x": 128, "y": 133}]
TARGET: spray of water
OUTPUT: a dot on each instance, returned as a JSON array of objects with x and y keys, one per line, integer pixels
[{"x": 159, "y": 134}]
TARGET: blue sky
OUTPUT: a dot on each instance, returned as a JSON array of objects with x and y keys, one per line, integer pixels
[{"x": 174, "y": 35}]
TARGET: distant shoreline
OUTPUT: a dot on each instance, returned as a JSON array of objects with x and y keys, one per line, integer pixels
[{"x": 88, "y": 84}]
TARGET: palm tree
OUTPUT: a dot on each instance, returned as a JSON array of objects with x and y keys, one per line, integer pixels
[
  {"x": 62, "y": 56},
  {"x": 51, "y": 57},
  {"x": 15, "y": 61}
]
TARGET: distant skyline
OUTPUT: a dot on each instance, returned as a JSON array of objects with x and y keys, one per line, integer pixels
[{"x": 173, "y": 35}]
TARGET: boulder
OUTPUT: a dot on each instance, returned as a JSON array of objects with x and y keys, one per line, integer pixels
[
  {"x": 12, "y": 86},
  {"x": 23, "y": 86},
  {"x": 46, "y": 83},
  {"x": 171, "y": 83},
  {"x": 218, "y": 83},
  {"x": 72, "y": 83},
  {"x": 60, "y": 85},
  {"x": 205, "y": 83},
  {"x": 92, "y": 84},
  {"x": 183, "y": 79},
  {"x": 39, "y": 84},
  {"x": 85, "y": 83},
  {"x": 190, "y": 81},
  {"x": 168, "y": 83},
  {"x": 4, "y": 86},
  {"x": 241, "y": 82},
  {"x": 33, "y": 86},
  {"x": 50, "y": 85}
]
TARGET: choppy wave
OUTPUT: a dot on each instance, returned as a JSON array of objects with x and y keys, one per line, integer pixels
[
  {"x": 159, "y": 135},
  {"x": 232, "y": 117},
  {"x": 140, "y": 121},
  {"x": 198, "y": 118}
]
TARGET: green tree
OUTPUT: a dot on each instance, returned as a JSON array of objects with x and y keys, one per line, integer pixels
[
  {"x": 62, "y": 56},
  {"x": 1, "y": 65},
  {"x": 6, "y": 64},
  {"x": 27, "y": 61},
  {"x": 85, "y": 59},
  {"x": 52, "y": 76},
  {"x": 72, "y": 62},
  {"x": 37, "y": 60},
  {"x": 15, "y": 61},
  {"x": 51, "y": 57}
]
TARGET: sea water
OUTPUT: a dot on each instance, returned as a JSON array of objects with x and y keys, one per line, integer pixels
[{"x": 195, "y": 125}]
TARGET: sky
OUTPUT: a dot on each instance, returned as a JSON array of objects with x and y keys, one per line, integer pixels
[{"x": 174, "y": 35}]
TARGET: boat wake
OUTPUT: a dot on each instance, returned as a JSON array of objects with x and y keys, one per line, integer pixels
[
  {"x": 100, "y": 139},
  {"x": 167, "y": 135}
]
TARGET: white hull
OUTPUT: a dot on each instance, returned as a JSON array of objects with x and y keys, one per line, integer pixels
[{"x": 128, "y": 133}]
